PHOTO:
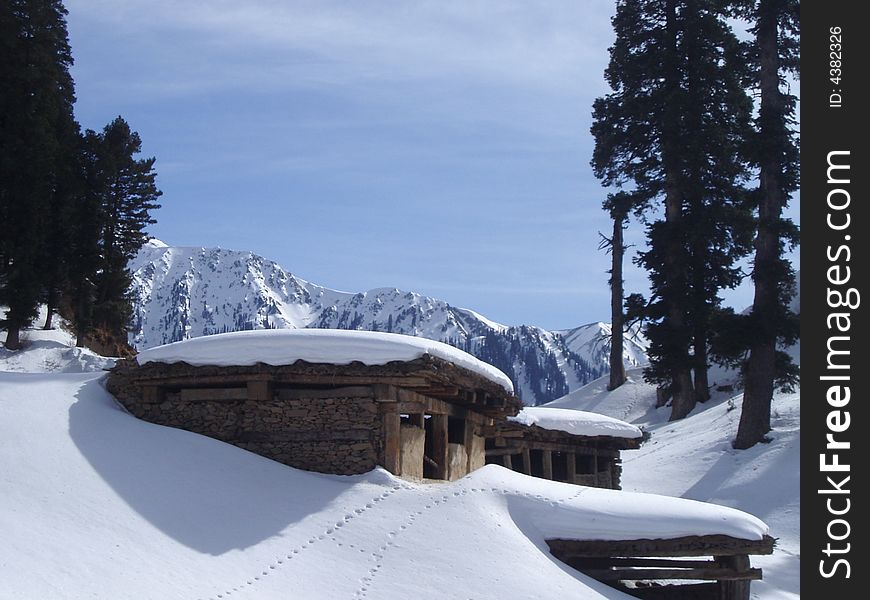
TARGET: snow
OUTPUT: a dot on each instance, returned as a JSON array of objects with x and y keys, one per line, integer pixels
[
  {"x": 97, "y": 504},
  {"x": 577, "y": 422},
  {"x": 52, "y": 350},
  {"x": 693, "y": 458},
  {"x": 329, "y": 346}
]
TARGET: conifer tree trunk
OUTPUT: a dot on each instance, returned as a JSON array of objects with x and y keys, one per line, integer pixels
[
  {"x": 760, "y": 372},
  {"x": 13, "y": 336},
  {"x": 683, "y": 398},
  {"x": 617, "y": 316}
]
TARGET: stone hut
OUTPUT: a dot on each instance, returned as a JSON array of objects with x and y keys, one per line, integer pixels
[
  {"x": 330, "y": 401},
  {"x": 563, "y": 445}
]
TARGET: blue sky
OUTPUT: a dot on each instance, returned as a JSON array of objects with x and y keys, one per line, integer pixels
[{"x": 440, "y": 147}]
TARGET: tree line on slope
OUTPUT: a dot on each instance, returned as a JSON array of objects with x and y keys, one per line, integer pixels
[
  {"x": 697, "y": 137},
  {"x": 74, "y": 205}
]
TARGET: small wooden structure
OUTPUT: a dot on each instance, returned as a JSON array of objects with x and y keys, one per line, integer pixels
[
  {"x": 718, "y": 564},
  {"x": 422, "y": 418},
  {"x": 557, "y": 455}
]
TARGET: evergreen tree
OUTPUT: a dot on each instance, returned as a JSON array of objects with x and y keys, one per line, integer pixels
[
  {"x": 777, "y": 32},
  {"x": 36, "y": 98},
  {"x": 120, "y": 193},
  {"x": 669, "y": 134}
]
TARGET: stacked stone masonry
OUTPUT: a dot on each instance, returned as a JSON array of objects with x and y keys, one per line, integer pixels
[{"x": 321, "y": 417}]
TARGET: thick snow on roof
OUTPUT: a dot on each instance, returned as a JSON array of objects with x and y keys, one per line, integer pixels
[
  {"x": 330, "y": 346},
  {"x": 96, "y": 503},
  {"x": 578, "y": 422}
]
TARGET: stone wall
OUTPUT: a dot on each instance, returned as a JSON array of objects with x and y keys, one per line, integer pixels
[{"x": 340, "y": 434}]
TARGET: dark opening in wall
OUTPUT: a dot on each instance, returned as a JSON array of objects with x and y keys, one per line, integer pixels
[
  {"x": 537, "y": 460},
  {"x": 455, "y": 430},
  {"x": 519, "y": 463},
  {"x": 560, "y": 467},
  {"x": 585, "y": 464}
]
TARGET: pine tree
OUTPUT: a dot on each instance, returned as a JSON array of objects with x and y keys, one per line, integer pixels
[
  {"x": 36, "y": 98},
  {"x": 669, "y": 134},
  {"x": 777, "y": 32},
  {"x": 120, "y": 193}
]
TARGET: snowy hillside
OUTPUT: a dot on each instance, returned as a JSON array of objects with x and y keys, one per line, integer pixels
[
  {"x": 693, "y": 458},
  {"x": 97, "y": 504},
  {"x": 180, "y": 293},
  {"x": 52, "y": 351}
]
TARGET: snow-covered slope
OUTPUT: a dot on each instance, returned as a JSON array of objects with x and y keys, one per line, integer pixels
[
  {"x": 49, "y": 351},
  {"x": 180, "y": 293},
  {"x": 693, "y": 458},
  {"x": 97, "y": 504}
]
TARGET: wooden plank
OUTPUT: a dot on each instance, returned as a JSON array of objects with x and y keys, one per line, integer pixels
[
  {"x": 694, "y": 545},
  {"x": 439, "y": 445},
  {"x": 213, "y": 394},
  {"x": 392, "y": 443},
  {"x": 353, "y": 391},
  {"x": 629, "y": 574},
  {"x": 507, "y": 461}
]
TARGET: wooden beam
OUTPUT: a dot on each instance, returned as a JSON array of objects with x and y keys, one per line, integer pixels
[
  {"x": 723, "y": 575},
  {"x": 417, "y": 419},
  {"x": 152, "y": 394},
  {"x": 468, "y": 442},
  {"x": 693, "y": 545},
  {"x": 582, "y": 564},
  {"x": 527, "y": 461},
  {"x": 572, "y": 467},
  {"x": 213, "y": 394},
  {"x": 547, "y": 460},
  {"x": 735, "y": 589},
  {"x": 286, "y": 379},
  {"x": 260, "y": 390},
  {"x": 353, "y": 391},
  {"x": 502, "y": 451},
  {"x": 439, "y": 444},
  {"x": 392, "y": 442},
  {"x": 507, "y": 461}
]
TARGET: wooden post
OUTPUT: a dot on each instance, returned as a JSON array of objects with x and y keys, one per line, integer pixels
[
  {"x": 439, "y": 444},
  {"x": 527, "y": 461},
  {"x": 468, "y": 442},
  {"x": 152, "y": 394},
  {"x": 418, "y": 419},
  {"x": 547, "y": 456},
  {"x": 507, "y": 461},
  {"x": 738, "y": 589},
  {"x": 572, "y": 468},
  {"x": 260, "y": 390},
  {"x": 392, "y": 442}
]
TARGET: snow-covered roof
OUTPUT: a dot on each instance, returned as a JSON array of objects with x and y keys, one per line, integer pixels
[
  {"x": 578, "y": 422},
  {"x": 326, "y": 346}
]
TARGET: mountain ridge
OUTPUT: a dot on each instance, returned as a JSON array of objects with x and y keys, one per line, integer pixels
[{"x": 183, "y": 292}]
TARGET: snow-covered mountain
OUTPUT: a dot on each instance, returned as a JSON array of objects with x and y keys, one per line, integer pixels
[{"x": 182, "y": 292}]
